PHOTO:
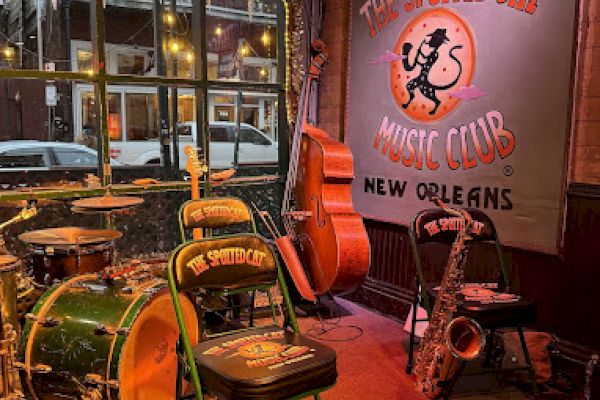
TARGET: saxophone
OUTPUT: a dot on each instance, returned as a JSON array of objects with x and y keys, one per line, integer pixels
[{"x": 447, "y": 343}]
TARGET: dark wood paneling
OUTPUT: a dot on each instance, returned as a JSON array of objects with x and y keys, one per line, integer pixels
[{"x": 566, "y": 289}]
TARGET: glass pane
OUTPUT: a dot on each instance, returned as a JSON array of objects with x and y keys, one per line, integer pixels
[
  {"x": 75, "y": 157},
  {"x": 86, "y": 133},
  {"x": 142, "y": 119},
  {"x": 42, "y": 125},
  {"x": 242, "y": 40},
  {"x": 22, "y": 48}
]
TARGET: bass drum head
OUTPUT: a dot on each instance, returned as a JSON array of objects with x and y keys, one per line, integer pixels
[{"x": 148, "y": 363}]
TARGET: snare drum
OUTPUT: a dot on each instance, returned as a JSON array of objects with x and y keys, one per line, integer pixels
[
  {"x": 89, "y": 338},
  {"x": 57, "y": 253}
]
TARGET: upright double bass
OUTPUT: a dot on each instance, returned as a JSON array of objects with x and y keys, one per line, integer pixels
[{"x": 317, "y": 209}]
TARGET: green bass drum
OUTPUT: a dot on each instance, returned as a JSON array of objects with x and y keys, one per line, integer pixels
[{"x": 92, "y": 339}]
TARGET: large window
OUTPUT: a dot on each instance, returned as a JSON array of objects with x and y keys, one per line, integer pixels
[{"x": 143, "y": 97}]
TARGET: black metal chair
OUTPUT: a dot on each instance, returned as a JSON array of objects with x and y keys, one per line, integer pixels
[
  {"x": 438, "y": 226},
  {"x": 273, "y": 362}
]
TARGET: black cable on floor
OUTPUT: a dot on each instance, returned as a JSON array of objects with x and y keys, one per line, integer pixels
[{"x": 324, "y": 327}]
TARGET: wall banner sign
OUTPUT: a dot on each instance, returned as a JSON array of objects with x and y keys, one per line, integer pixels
[{"x": 469, "y": 98}]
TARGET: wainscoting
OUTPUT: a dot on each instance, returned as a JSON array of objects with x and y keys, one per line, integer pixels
[{"x": 566, "y": 287}]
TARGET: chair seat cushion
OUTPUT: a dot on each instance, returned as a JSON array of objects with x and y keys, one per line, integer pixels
[
  {"x": 493, "y": 315},
  {"x": 264, "y": 363}
]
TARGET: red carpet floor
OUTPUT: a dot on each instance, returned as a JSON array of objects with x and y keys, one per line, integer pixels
[{"x": 371, "y": 367}]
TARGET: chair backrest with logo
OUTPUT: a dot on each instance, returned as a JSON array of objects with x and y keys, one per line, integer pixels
[
  {"x": 438, "y": 226},
  {"x": 214, "y": 212},
  {"x": 219, "y": 262}
]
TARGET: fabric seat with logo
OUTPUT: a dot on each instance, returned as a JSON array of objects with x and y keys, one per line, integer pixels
[
  {"x": 254, "y": 363},
  {"x": 437, "y": 226}
]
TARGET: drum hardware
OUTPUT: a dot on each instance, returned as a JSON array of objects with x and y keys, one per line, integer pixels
[
  {"x": 10, "y": 379},
  {"x": 96, "y": 379},
  {"x": 9, "y": 265},
  {"x": 46, "y": 322},
  {"x": 28, "y": 211},
  {"x": 110, "y": 330},
  {"x": 36, "y": 369},
  {"x": 94, "y": 387}
]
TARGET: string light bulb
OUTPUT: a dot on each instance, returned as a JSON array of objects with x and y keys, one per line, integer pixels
[
  {"x": 244, "y": 50},
  {"x": 218, "y": 31},
  {"x": 174, "y": 46},
  {"x": 266, "y": 39},
  {"x": 8, "y": 52},
  {"x": 169, "y": 19},
  {"x": 189, "y": 56},
  {"x": 263, "y": 72}
]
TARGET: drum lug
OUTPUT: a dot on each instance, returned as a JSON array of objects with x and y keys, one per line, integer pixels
[
  {"x": 109, "y": 330},
  {"x": 96, "y": 379},
  {"x": 38, "y": 369},
  {"x": 47, "y": 322}
]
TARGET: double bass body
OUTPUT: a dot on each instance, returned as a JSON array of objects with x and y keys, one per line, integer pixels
[{"x": 334, "y": 245}]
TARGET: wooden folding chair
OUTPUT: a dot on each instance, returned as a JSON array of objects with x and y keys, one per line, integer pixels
[{"x": 261, "y": 362}]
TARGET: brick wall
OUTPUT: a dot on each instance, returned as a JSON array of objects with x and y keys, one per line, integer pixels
[
  {"x": 585, "y": 148},
  {"x": 332, "y": 90},
  {"x": 585, "y": 154}
]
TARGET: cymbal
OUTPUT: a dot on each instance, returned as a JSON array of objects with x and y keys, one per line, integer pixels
[
  {"x": 108, "y": 202},
  {"x": 222, "y": 175},
  {"x": 69, "y": 235}
]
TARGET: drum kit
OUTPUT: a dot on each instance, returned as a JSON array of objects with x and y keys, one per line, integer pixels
[{"x": 74, "y": 325}]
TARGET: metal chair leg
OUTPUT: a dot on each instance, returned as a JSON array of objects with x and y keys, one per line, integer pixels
[
  {"x": 488, "y": 351},
  {"x": 411, "y": 348},
  {"x": 180, "y": 369},
  {"x": 251, "y": 319},
  {"x": 528, "y": 361}
]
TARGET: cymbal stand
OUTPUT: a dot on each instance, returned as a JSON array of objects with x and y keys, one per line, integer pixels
[{"x": 10, "y": 378}]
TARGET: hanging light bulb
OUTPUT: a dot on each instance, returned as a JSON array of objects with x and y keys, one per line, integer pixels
[
  {"x": 244, "y": 50},
  {"x": 263, "y": 72},
  {"x": 218, "y": 30}
]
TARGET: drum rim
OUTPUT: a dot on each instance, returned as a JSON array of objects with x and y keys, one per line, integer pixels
[
  {"x": 119, "y": 341},
  {"x": 41, "y": 308}
]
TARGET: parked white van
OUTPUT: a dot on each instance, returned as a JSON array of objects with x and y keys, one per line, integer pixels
[{"x": 254, "y": 146}]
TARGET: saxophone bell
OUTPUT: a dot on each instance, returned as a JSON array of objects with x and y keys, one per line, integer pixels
[{"x": 465, "y": 338}]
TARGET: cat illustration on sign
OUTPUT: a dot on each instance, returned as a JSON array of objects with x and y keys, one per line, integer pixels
[{"x": 426, "y": 62}]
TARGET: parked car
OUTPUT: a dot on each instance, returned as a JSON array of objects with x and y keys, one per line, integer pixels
[
  {"x": 39, "y": 155},
  {"x": 254, "y": 146}
]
